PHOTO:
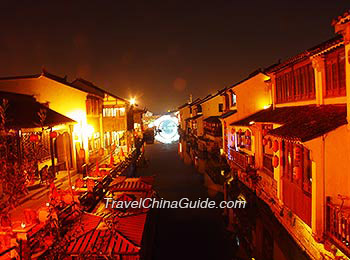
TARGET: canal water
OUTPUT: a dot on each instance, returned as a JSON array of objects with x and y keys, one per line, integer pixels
[{"x": 203, "y": 233}]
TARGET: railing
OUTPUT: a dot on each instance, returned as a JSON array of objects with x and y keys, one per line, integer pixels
[
  {"x": 338, "y": 225},
  {"x": 239, "y": 159}
]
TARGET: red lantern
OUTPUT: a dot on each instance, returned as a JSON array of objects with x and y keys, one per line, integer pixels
[
  {"x": 34, "y": 138},
  {"x": 247, "y": 133},
  {"x": 275, "y": 161},
  {"x": 264, "y": 141},
  {"x": 53, "y": 134},
  {"x": 269, "y": 143},
  {"x": 240, "y": 131},
  {"x": 275, "y": 146}
]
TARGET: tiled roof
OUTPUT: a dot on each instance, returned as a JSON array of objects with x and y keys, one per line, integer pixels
[
  {"x": 131, "y": 184},
  {"x": 22, "y": 112},
  {"x": 102, "y": 243},
  {"x": 77, "y": 83},
  {"x": 228, "y": 113},
  {"x": 300, "y": 123},
  {"x": 132, "y": 226},
  {"x": 335, "y": 41}
]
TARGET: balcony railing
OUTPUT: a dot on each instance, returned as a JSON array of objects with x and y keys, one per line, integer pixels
[
  {"x": 239, "y": 159},
  {"x": 338, "y": 225}
]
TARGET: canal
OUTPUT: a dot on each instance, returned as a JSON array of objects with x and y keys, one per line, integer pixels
[{"x": 202, "y": 233}]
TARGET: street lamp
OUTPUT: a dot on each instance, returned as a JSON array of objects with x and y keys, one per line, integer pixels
[{"x": 132, "y": 101}]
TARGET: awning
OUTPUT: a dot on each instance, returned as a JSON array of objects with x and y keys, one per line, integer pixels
[
  {"x": 23, "y": 112},
  {"x": 228, "y": 113},
  {"x": 300, "y": 123}
]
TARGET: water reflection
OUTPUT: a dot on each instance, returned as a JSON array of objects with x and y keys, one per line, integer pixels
[{"x": 254, "y": 231}]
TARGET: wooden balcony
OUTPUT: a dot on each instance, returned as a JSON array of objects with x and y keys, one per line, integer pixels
[
  {"x": 240, "y": 159},
  {"x": 338, "y": 225}
]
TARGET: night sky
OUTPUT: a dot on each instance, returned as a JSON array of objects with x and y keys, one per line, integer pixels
[{"x": 158, "y": 51}]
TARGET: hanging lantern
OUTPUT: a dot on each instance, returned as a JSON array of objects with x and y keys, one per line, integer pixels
[
  {"x": 247, "y": 133},
  {"x": 275, "y": 161},
  {"x": 233, "y": 131},
  {"x": 264, "y": 141},
  {"x": 297, "y": 155},
  {"x": 101, "y": 151},
  {"x": 34, "y": 138},
  {"x": 249, "y": 141},
  {"x": 297, "y": 172},
  {"x": 53, "y": 134},
  {"x": 240, "y": 131},
  {"x": 269, "y": 143},
  {"x": 275, "y": 146}
]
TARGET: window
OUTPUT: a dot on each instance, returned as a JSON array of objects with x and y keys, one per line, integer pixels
[
  {"x": 295, "y": 84},
  {"x": 122, "y": 111},
  {"x": 221, "y": 107},
  {"x": 93, "y": 106},
  {"x": 233, "y": 99},
  {"x": 335, "y": 74}
]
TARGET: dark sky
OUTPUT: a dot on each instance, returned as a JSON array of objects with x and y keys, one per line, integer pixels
[{"x": 158, "y": 51}]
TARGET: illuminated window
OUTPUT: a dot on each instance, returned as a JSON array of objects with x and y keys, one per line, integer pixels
[
  {"x": 122, "y": 111},
  {"x": 233, "y": 99}
]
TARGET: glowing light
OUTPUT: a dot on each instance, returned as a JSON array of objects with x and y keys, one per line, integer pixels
[
  {"x": 251, "y": 122},
  {"x": 47, "y": 204},
  {"x": 23, "y": 225},
  {"x": 267, "y": 106},
  {"x": 166, "y": 129},
  {"x": 73, "y": 187},
  {"x": 88, "y": 131},
  {"x": 241, "y": 197},
  {"x": 222, "y": 172},
  {"x": 132, "y": 101},
  {"x": 221, "y": 151}
]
